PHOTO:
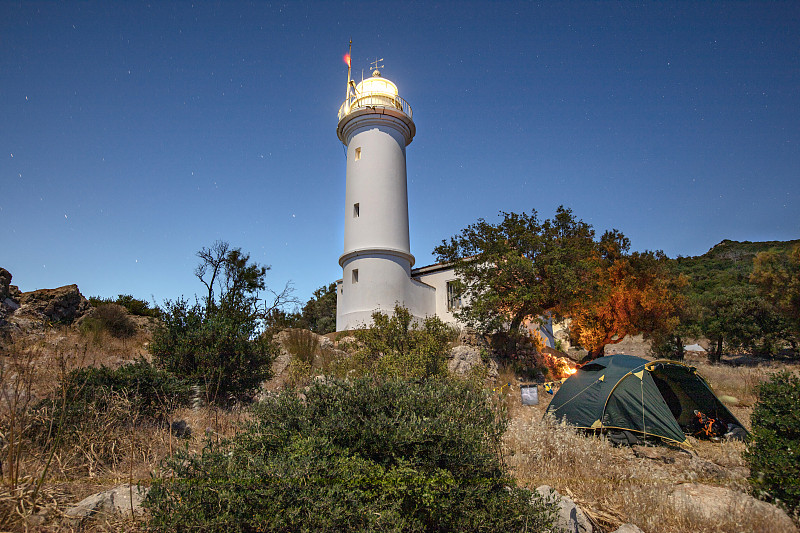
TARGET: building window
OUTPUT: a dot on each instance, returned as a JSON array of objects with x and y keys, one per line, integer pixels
[
  {"x": 355, "y": 275},
  {"x": 355, "y": 211},
  {"x": 453, "y": 295},
  {"x": 358, "y": 153}
]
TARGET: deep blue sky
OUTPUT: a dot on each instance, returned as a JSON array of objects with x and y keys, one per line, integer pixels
[{"x": 132, "y": 134}]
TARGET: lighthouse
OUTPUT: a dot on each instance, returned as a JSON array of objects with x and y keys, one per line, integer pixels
[{"x": 376, "y": 126}]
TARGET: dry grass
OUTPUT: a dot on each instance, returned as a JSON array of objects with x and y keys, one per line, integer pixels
[{"x": 48, "y": 474}]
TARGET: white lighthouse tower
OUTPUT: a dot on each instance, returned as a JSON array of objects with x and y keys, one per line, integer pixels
[{"x": 376, "y": 125}]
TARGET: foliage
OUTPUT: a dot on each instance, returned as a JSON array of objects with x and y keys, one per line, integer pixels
[
  {"x": 631, "y": 293},
  {"x": 220, "y": 344},
  {"x": 736, "y": 318},
  {"x": 773, "y": 452},
  {"x": 219, "y": 349},
  {"x": 301, "y": 344},
  {"x": 319, "y": 313},
  {"x": 109, "y": 317},
  {"x": 399, "y": 346},
  {"x": 353, "y": 456},
  {"x": 234, "y": 284},
  {"x": 520, "y": 268},
  {"x": 134, "y": 306},
  {"x": 666, "y": 344},
  {"x": 280, "y": 319},
  {"x": 777, "y": 277},
  {"x": 734, "y": 296},
  {"x": 149, "y": 393}
]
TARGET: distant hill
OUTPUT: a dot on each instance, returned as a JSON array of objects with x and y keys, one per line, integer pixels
[
  {"x": 736, "y": 251},
  {"x": 727, "y": 263}
]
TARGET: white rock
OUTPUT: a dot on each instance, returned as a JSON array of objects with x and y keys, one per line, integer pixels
[
  {"x": 628, "y": 528},
  {"x": 570, "y": 517},
  {"x": 464, "y": 358},
  {"x": 716, "y": 503},
  {"x": 121, "y": 499}
]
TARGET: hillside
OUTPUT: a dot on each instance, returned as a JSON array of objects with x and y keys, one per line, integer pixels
[{"x": 727, "y": 262}]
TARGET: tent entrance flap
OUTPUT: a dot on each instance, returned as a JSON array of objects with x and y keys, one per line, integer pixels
[{"x": 637, "y": 405}]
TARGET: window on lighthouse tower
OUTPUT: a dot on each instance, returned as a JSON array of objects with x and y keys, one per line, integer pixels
[
  {"x": 356, "y": 211},
  {"x": 358, "y": 153}
]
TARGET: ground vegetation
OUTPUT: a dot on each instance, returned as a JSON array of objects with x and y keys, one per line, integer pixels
[
  {"x": 354, "y": 456},
  {"x": 773, "y": 452}
]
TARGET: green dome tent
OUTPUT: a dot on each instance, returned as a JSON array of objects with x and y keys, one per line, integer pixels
[{"x": 649, "y": 398}]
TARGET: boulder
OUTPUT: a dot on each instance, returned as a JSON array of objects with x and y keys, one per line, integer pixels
[
  {"x": 716, "y": 503},
  {"x": 464, "y": 358},
  {"x": 64, "y": 304},
  {"x": 181, "y": 429},
  {"x": 7, "y": 290},
  {"x": 286, "y": 342},
  {"x": 570, "y": 517},
  {"x": 121, "y": 499},
  {"x": 628, "y": 528},
  {"x": 471, "y": 337},
  {"x": 9, "y": 294}
]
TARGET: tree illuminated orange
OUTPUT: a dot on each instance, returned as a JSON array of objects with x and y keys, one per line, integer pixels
[{"x": 632, "y": 293}]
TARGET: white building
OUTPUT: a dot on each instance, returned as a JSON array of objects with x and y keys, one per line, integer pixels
[{"x": 376, "y": 126}]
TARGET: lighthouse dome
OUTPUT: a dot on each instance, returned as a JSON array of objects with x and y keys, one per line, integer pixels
[
  {"x": 373, "y": 92},
  {"x": 376, "y": 85}
]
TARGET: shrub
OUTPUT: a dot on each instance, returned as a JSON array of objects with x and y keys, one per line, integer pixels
[
  {"x": 109, "y": 317},
  {"x": 218, "y": 348},
  {"x": 399, "y": 346},
  {"x": 353, "y": 456},
  {"x": 666, "y": 345},
  {"x": 302, "y": 344},
  {"x": 90, "y": 393},
  {"x": 134, "y": 306},
  {"x": 774, "y": 452}
]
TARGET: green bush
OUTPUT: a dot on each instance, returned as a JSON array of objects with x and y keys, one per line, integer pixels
[
  {"x": 666, "y": 345},
  {"x": 134, "y": 306},
  {"x": 91, "y": 392},
  {"x": 400, "y": 346},
  {"x": 109, "y": 317},
  {"x": 774, "y": 452},
  {"x": 353, "y": 456},
  {"x": 218, "y": 348}
]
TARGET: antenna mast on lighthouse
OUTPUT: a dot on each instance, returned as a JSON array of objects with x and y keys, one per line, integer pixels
[{"x": 347, "y": 60}]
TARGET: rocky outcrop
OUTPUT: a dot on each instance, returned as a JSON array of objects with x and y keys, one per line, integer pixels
[
  {"x": 291, "y": 341},
  {"x": 64, "y": 304},
  {"x": 9, "y": 294},
  {"x": 570, "y": 517},
  {"x": 9, "y": 303},
  {"x": 123, "y": 498},
  {"x": 715, "y": 503},
  {"x": 463, "y": 359}
]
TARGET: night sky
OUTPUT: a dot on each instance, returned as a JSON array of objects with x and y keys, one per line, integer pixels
[{"x": 132, "y": 134}]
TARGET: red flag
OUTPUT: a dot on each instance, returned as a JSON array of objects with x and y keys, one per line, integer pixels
[{"x": 347, "y": 59}]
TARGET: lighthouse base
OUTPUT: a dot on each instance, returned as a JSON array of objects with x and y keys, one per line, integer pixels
[{"x": 379, "y": 282}]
